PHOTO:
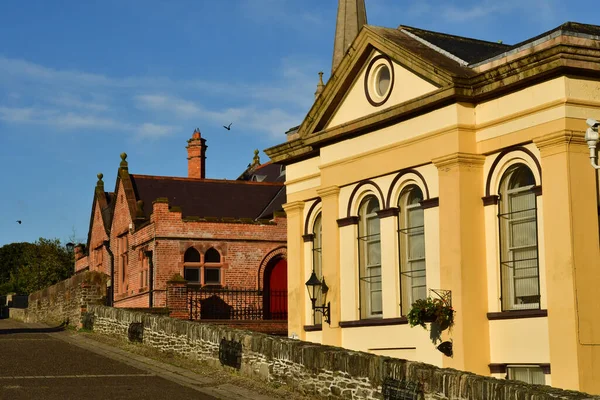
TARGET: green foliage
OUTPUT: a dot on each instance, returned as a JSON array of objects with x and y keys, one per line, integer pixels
[
  {"x": 27, "y": 267},
  {"x": 431, "y": 310}
]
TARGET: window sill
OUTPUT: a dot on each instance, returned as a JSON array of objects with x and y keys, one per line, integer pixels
[
  {"x": 374, "y": 322},
  {"x": 313, "y": 328},
  {"x": 517, "y": 314}
]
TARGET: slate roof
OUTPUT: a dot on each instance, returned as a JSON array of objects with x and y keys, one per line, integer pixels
[
  {"x": 467, "y": 49},
  {"x": 267, "y": 172},
  {"x": 210, "y": 197},
  {"x": 429, "y": 54},
  {"x": 573, "y": 27}
]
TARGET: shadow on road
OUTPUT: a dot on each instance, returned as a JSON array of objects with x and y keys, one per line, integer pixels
[{"x": 58, "y": 328}]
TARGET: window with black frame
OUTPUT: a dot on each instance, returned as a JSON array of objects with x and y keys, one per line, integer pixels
[
  {"x": 411, "y": 238},
  {"x": 369, "y": 249},
  {"x": 517, "y": 218}
]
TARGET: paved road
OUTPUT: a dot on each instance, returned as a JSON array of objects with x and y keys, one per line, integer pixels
[{"x": 37, "y": 362}]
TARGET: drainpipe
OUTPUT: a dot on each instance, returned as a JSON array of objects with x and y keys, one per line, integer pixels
[
  {"x": 111, "y": 298},
  {"x": 148, "y": 255}
]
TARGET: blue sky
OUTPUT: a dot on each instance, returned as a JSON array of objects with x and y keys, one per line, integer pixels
[{"x": 82, "y": 81}]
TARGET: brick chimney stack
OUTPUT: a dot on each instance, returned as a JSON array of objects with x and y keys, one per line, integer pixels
[{"x": 196, "y": 149}]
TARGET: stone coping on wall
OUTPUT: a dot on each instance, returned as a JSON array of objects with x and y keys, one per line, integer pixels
[{"x": 313, "y": 369}]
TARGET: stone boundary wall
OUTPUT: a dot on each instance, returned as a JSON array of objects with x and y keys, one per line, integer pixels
[
  {"x": 65, "y": 301},
  {"x": 313, "y": 369}
]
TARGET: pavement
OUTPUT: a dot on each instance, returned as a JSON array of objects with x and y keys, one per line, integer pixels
[{"x": 40, "y": 362}]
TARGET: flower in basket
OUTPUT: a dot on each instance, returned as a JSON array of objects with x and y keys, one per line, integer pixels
[{"x": 435, "y": 311}]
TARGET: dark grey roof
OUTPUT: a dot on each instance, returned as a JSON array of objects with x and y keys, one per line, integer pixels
[
  {"x": 572, "y": 27},
  {"x": 209, "y": 197},
  {"x": 467, "y": 49}
]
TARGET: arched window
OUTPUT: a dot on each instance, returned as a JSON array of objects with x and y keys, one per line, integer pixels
[
  {"x": 369, "y": 249},
  {"x": 212, "y": 256},
  {"x": 191, "y": 266},
  {"x": 411, "y": 237},
  {"x": 317, "y": 263},
  {"x": 519, "y": 271},
  {"x": 212, "y": 272}
]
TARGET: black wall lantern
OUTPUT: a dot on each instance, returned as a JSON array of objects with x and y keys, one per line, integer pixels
[{"x": 313, "y": 285}]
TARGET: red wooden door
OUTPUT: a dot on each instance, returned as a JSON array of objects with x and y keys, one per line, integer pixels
[{"x": 278, "y": 290}]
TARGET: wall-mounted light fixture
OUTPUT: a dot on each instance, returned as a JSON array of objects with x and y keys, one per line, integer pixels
[
  {"x": 591, "y": 137},
  {"x": 314, "y": 285}
]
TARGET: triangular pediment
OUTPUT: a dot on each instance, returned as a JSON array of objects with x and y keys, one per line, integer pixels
[{"x": 416, "y": 70}]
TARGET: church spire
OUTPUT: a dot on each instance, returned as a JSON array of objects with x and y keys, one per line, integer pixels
[{"x": 351, "y": 17}]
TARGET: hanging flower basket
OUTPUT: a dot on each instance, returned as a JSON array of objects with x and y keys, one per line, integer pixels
[{"x": 434, "y": 311}]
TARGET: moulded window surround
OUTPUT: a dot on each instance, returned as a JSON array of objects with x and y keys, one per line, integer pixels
[
  {"x": 211, "y": 269},
  {"x": 379, "y": 80},
  {"x": 369, "y": 250},
  {"x": 191, "y": 266},
  {"x": 517, "y": 220},
  {"x": 411, "y": 239},
  {"x": 317, "y": 263}
]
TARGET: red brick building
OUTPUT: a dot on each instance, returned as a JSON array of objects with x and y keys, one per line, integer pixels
[{"x": 228, "y": 233}]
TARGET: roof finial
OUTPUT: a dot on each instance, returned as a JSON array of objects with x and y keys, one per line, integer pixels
[
  {"x": 123, "y": 164},
  {"x": 320, "y": 85},
  {"x": 100, "y": 183},
  {"x": 256, "y": 159},
  {"x": 351, "y": 17}
]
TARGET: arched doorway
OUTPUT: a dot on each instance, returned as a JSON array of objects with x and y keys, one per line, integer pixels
[{"x": 275, "y": 293}]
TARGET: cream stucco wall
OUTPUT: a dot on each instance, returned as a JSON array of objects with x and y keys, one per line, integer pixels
[
  {"x": 400, "y": 341},
  {"x": 509, "y": 344},
  {"x": 407, "y": 86}
]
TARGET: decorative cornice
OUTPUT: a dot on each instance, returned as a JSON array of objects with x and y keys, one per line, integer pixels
[
  {"x": 294, "y": 206},
  {"x": 347, "y": 221},
  {"x": 328, "y": 191},
  {"x": 430, "y": 203},
  {"x": 309, "y": 237},
  {"x": 560, "y": 139},
  {"x": 388, "y": 212},
  {"x": 492, "y": 199},
  {"x": 459, "y": 158}
]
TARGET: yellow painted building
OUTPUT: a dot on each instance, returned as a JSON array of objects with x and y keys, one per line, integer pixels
[{"x": 430, "y": 161}]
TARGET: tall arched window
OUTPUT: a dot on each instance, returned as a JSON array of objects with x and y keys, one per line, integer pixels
[
  {"x": 317, "y": 263},
  {"x": 191, "y": 265},
  {"x": 411, "y": 236},
  {"x": 369, "y": 249},
  {"x": 519, "y": 271}
]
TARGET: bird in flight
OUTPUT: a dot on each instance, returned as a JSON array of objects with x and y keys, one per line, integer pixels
[
  {"x": 228, "y": 127},
  {"x": 19, "y": 222}
]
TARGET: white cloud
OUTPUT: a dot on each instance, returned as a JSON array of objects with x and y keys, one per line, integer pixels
[
  {"x": 154, "y": 106},
  {"x": 153, "y": 131},
  {"x": 57, "y": 119}
]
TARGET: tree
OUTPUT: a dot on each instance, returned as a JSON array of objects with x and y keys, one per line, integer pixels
[{"x": 27, "y": 267}]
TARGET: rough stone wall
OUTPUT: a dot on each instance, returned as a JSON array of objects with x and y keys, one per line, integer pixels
[
  {"x": 64, "y": 302},
  {"x": 313, "y": 369}
]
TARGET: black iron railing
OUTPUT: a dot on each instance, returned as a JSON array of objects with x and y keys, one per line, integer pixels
[{"x": 236, "y": 304}]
